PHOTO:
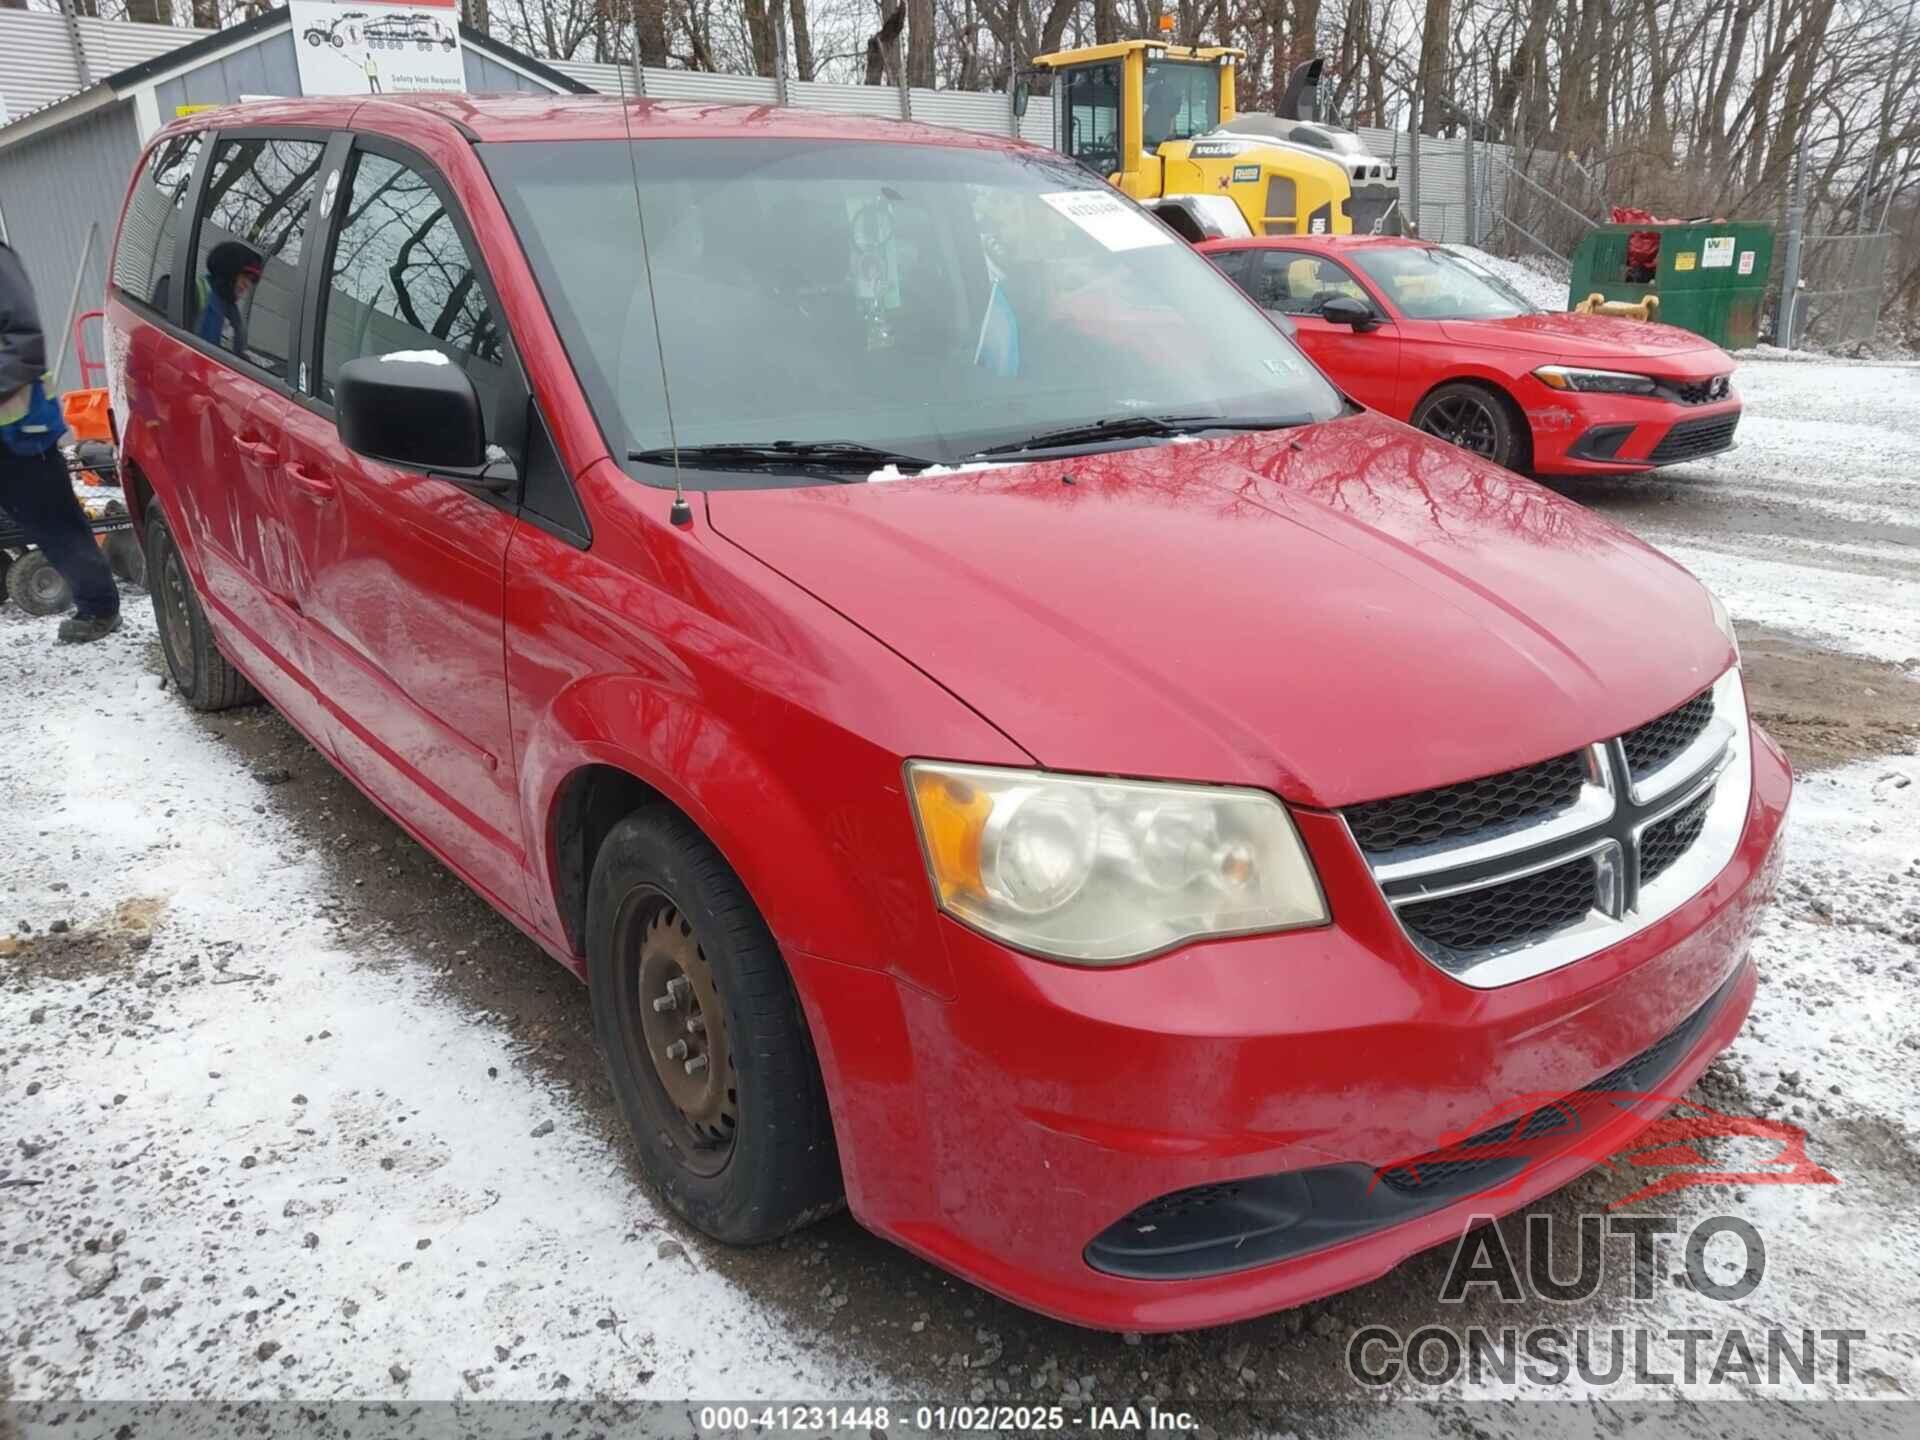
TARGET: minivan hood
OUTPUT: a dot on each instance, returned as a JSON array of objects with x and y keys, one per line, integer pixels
[
  {"x": 1336, "y": 613},
  {"x": 1588, "y": 338}
]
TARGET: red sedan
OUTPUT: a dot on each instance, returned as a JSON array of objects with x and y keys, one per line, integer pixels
[
  {"x": 1086, "y": 804},
  {"x": 1427, "y": 336}
]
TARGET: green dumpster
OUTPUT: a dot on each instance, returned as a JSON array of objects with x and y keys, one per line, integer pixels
[{"x": 1711, "y": 277}]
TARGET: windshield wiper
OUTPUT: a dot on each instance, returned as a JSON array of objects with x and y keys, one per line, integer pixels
[
  {"x": 1137, "y": 427},
  {"x": 785, "y": 454}
]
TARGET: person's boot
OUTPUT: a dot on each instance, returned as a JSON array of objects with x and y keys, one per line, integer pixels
[{"x": 81, "y": 629}]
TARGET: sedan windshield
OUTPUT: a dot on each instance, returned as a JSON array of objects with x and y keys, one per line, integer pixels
[
  {"x": 1427, "y": 283},
  {"x": 821, "y": 300}
]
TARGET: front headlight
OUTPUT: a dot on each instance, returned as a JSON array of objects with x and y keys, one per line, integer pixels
[
  {"x": 1100, "y": 872},
  {"x": 1725, "y": 622},
  {"x": 1599, "y": 382}
]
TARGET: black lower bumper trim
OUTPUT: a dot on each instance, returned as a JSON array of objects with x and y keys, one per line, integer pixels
[
  {"x": 1602, "y": 442},
  {"x": 1235, "y": 1225}
]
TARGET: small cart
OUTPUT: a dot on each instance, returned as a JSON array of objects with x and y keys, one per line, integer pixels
[{"x": 28, "y": 578}]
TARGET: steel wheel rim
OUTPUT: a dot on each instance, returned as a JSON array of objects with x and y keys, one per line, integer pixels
[
  {"x": 176, "y": 629},
  {"x": 1464, "y": 421},
  {"x": 674, "y": 1026},
  {"x": 46, "y": 588}
]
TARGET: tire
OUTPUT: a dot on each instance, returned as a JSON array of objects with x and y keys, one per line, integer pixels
[
  {"x": 744, "y": 1150},
  {"x": 36, "y": 587},
  {"x": 1477, "y": 419},
  {"x": 125, "y": 557},
  {"x": 204, "y": 677}
]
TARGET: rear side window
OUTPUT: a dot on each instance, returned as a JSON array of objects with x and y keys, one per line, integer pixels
[
  {"x": 401, "y": 279},
  {"x": 143, "y": 260},
  {"x": 253, "y": 227}
]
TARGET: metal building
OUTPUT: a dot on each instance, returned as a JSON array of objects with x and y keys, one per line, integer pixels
[{"x": 64, "y": 167}]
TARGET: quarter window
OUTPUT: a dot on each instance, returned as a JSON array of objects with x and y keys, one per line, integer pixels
[
  {"x": 401, "y": 279},
  {"x": 143, "y": 260},
  {"x": 253, "y": 226}
]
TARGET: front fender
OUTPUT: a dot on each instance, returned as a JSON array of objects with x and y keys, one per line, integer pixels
[{"x": 776, "y": 727}]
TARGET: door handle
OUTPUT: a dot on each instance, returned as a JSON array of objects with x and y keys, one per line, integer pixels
[
  {"x": 258, "y": 449},
  {"x": 316, "y": 487}
]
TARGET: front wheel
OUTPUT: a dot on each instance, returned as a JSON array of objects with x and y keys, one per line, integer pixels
[
  {"x": 703, "y": 1038},
  {"x": 1473, "y": 418},
  {"x": 206, "y": 679}
]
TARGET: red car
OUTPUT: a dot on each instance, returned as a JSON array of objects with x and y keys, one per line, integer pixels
[
  {"x": 1425, "y": 335},
  {"x": 1062, "y": 780}
]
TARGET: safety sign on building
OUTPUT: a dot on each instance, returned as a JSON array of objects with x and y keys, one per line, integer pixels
[{"x": 377, "y": 48}]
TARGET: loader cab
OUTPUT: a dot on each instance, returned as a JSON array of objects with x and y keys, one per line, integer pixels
[
  {"x": 1161, "y": 123},
  {"x": 1116, "y": 105}
]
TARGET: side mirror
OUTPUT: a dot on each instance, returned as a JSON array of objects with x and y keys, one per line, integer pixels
[
  {"x": 1345, "y": 310},
  {"x": 418, "y": 410},
  {"x": 1022, "y": 93}
]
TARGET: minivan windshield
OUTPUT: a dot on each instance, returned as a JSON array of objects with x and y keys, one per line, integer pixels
[
  {"x": 1428, "y": 283},
  {"x": 848, "y": 301}
]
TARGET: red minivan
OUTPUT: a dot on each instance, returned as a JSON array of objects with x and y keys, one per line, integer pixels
[{"x": 1063, "y": 781}]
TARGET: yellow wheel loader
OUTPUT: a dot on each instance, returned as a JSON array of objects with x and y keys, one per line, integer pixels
[{"x": 1159, "y": 121}]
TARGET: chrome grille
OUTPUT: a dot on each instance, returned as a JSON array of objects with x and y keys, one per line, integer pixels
[
  {"x": 1512, "y": 797},
  {"x": 1515, "y": 874},
  {"x": 1658, "y": 741},
  {"x": 1665, "y": 841},
  {"x": 1512, "y": 912}
]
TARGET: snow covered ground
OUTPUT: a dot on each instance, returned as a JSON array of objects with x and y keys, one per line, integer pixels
[
  {"x": 1828, "y": 473},
  {"x": 254, "y": 1152},
  {"x": 247, "y": 1163}
]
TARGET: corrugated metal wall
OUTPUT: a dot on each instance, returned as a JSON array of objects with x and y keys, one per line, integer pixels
[
  {"x": 36, "y": 60},
  {"x": 53, "y": 189}
]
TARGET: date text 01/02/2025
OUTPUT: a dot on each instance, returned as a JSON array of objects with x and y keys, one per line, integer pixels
[{"x": 942, "y": 1419}]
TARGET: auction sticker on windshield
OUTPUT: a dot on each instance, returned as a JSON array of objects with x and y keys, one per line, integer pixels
[{"x": 1109, "y": 219}]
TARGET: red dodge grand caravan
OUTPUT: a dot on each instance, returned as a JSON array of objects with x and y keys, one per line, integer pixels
[{"x": 1063, "y": 780}]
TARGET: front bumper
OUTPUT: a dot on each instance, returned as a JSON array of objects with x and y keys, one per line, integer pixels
[
  {"x": 1580, "y": 434},
  {"x": 1000, "y": 1133}
]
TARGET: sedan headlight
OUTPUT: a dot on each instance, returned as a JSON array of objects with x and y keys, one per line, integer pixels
[
  {"x": 1601, "y": 382},
  {"x": 1099, "y": 872}
]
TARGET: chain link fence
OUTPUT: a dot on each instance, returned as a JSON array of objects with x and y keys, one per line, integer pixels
[{"x": 1842, "y": 290}]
